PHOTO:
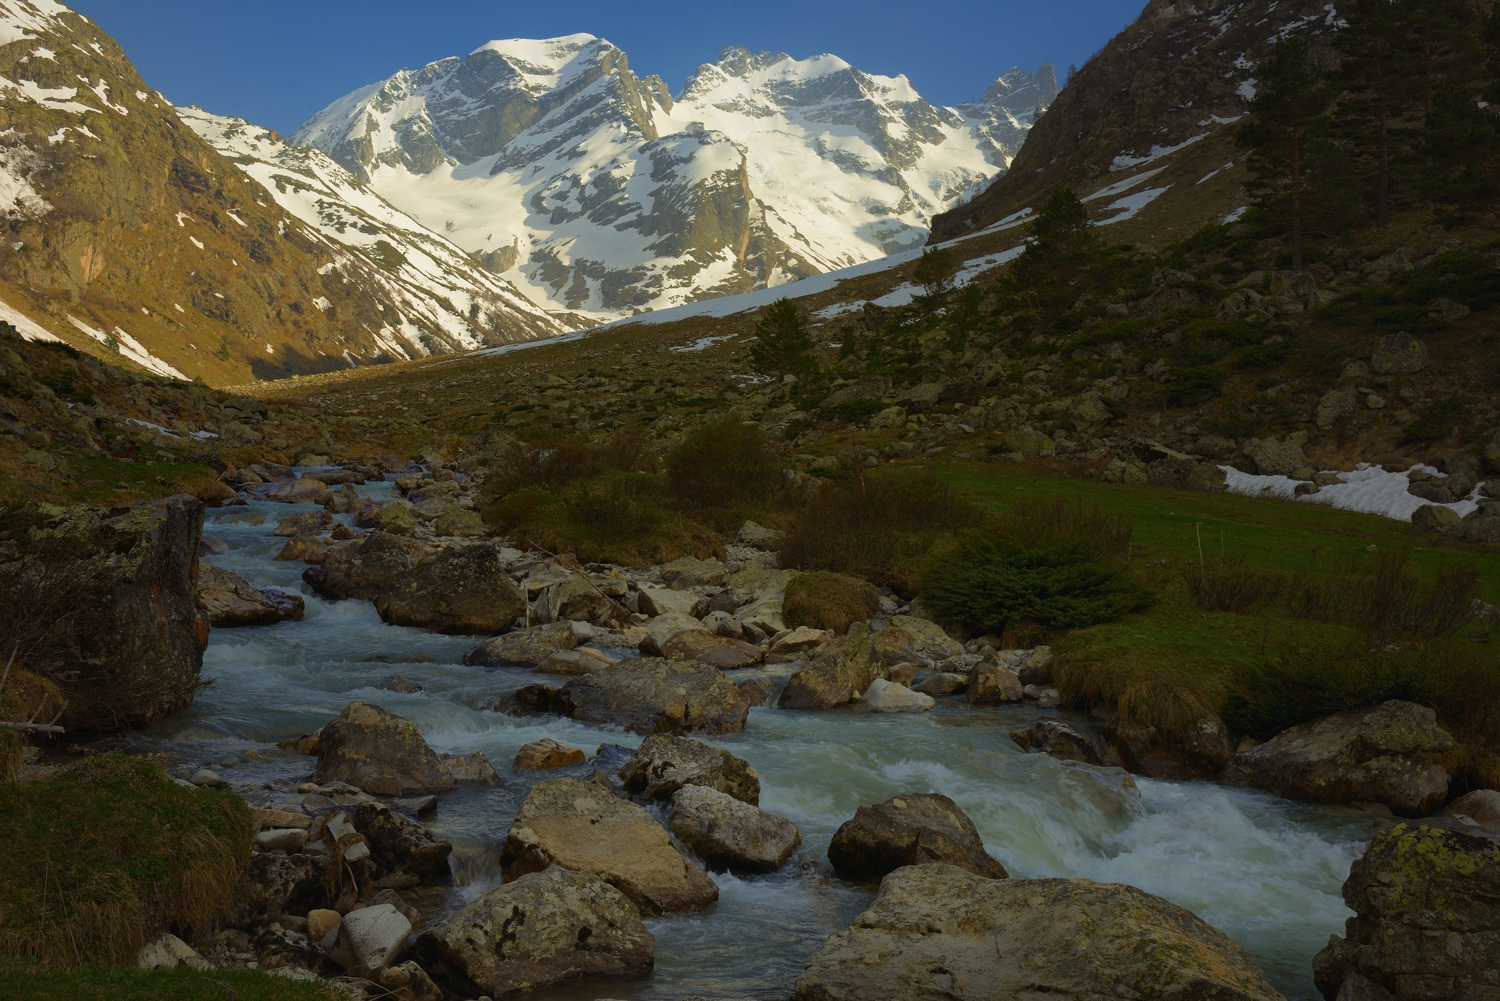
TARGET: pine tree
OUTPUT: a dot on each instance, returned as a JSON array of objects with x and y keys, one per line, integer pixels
[
  {"x": 1461, "y": 140},
  {"x": 1062, "y": 244},
  {"x": 1285, "y": 137},
  {"x": 1378, "y": 72},
  {"x": 781, "y": 341},
  {"x": 935, "y": 271}
]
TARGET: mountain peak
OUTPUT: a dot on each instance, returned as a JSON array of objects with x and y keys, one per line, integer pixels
[{"x": 736, "y": 60}]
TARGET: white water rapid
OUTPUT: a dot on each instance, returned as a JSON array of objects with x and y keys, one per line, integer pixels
[{"x": 1264, "y": 870}]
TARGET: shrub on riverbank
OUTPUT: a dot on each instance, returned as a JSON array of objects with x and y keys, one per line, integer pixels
[
  {"x": 110, "y": 853},
  {"x": 33, "y": 982}
]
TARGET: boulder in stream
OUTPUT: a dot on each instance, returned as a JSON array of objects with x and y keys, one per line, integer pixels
[
  {"x": 940, "y": 931},
  {"x": 457, "y": 591},
  {"x": 911, "y": 829},
  {"x": 526, "y": 647},
  {"x": 585, "y": 827},
  {"x": 361, "y": 567},
  {"x": 729, "y": 834},
  {"x": 650, "y": 695},
  {"x": 1427, "y": 920},
  {"x": 548, "y": 753},
  {"x": 230, "y": 600},
  {"x": 724, "y": 652},
  {"x": 1379, "y": 755},
  {"x": 907, "y": 639},
  {"x": 664, "y": 763},
  {"x": 538, "y": 930},
  {"x": 1057, "y": 739},
  {"x": 378, "y": 752},
  {"x": 845, "y": 668},
  {"x": 401, "y": 847}
]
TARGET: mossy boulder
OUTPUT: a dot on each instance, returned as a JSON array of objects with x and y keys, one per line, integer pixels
[{"x": 830, "y": 601}]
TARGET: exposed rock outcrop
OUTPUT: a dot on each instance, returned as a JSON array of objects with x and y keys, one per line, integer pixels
[
  {"x": 458, "y": 591},
  {"x": 378, "y": 752},
  {"x": 649, "y": 695},
  {"x": 912, "y": 829},
  {"x": 360, "y": 568},
  {"x": 939, "y": 931},
  {"x": 842, "y": 670},
  {"x": 230, "y": 600},
  {"x": 525, "y": 647}
]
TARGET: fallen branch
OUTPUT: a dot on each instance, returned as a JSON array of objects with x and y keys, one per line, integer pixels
[{"x": 34, "y": 727}]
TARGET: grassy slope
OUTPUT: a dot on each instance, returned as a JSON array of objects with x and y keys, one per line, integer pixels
[{"x": 20, "y": 982}]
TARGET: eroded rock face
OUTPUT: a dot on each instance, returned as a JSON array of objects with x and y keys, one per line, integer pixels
[
  {"x": 912, "y": 829},
  {"x": 845, "y": 668},
  {"x": 459, "y": 591},
  {"x": 1057, "y": 739},
  {"x": 663, "y": 764},
  {"x": 1426, "y": 924},
  {"x": 538, "y": 930},
  {"x": 939, "y": 931},
  {"x": 585, "y": 827},
  {"x": 378, "y": 752},
  {"x": 402, "y": 846},
  {"x": 650, "y": 695},
  {"x": 230, "y": 600},
  {"x": 524, "y": 647},
  {"x": 1374, "y": 755},
  {"x": 729, "y": 834},
  {"x": 360, "y": 568},
  {"x": 914, "y": 641}
]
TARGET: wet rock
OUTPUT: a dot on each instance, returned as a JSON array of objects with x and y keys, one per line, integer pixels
[
  {"x": 1427, "y": 917},
  {"x": 759, "y": 690},
  {"x": 302, "y": 523},
  {"x": 990, "y": 683},
  {"x": 1057, "y": 739},
  {"x": 361, "y": 568},
  {"x": 723, "y": 652},
  {"x": 664, "y": 763},
  {"x": 942, "y": 683},
  {"x": 227, "y": 599},
  {"x": 1481, "y": 806},
  {"x": 540, "y": 930},
  {"x": 458, "y": 591},
  {"x": 400, "y": 685},
  {"x": 664, "y": 628},
  {"x": 914, "y": 641},
  {"x": 1433, "y": 518},
  {"x": 547, "y": 753},
  {"x": 409, "y": 982},
  {"x": 303, "y": 491},
  {"x": 529, "y": 700},
  {"x": 580, "y": 660},
  {"x": 888, "y": 697},
  {"x": 729, "y": 834},
  {"x": 473, "y": 768},
  {"x": 303, "y": 549},
  {"x": 649, "y": 695},
  {"x": 911, "y": 829},
  {"x": 659, "y": 601},
  {"x": 1398, "y": 354},
  {"x": 378, "y": 752},
  {"x": 938, "y": 931},
  {"x": 901, "y": 674},
  {"x": 399, "y": 845},
  {"x": 583, "y": 827},
  {"x": 1378, "y": 755},
  {"x": 843, "y": 669},
  {"x": 525, "y": 647},
  {"x": 370, "y": 939},
  {"x": 133, "y": 652}
]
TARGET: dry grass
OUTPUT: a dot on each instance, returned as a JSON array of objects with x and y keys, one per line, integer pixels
[
  {"x": 826, "y": 600},
  {"x": 110, "y": 853}
]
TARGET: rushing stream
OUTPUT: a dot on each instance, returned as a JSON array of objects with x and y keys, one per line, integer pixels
[{"x": 1264, "y": 870}]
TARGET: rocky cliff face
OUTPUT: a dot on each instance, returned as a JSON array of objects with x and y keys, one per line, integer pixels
[
  {"x": 596, "y": 190},
  {"x": 131, "y": 236},
  {"x": 1176, "y": 76}
]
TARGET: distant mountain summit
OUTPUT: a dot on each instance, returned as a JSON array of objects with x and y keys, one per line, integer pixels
[{"x": 597, "y": 191}]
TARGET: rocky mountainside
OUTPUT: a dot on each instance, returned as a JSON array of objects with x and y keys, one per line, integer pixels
[
  {"x": 1175, "y": 77},
  {"x": 132, "y": 237},
  {"x": 597, "y": 190}
]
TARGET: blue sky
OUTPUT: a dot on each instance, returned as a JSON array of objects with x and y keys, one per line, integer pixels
[{"x": 276, "y": 62}]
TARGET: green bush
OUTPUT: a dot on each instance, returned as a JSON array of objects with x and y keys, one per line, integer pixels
[
  {"x": 722, "y": 464},
  {"x": 1438, "y": 420},
  {"x": 110, "y": 853},
  {"x": 1191, "y": 386},
  {"x": 995, "y": 582},
  {"x": 826, "y": 600}
]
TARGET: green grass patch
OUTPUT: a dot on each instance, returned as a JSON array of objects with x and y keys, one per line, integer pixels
[
  {"x": 20, "y": 981},
  {"x": 110, "y": 853},
  {"x": 826, "y": 600}
]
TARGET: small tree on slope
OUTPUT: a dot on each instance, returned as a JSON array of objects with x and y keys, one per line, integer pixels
[{"x": 781, "y": 341}]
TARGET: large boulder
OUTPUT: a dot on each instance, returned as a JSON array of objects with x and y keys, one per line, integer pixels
[
  {"x": 1378, "y": 755},
  {"x": 302, "y": 523},
  {"x": 132, "y": 648},
  {"x": 525, "y": 647},
  {"x": 661, "y": 630},
  {"x": 230, "y": 600},
  {"x": 1481, "y": 524},
  {"x": 724, "y": 652},
  {"x": 1278, "y": 458},
  {"x": 650, "y": 695},
  {"x": 585, "y": 827},
  {"x": 1481, "y": 806},
  {"x": 1057, "y": 739},
  {"x": 936, "y": 931},
  {"x": 361, "y": 568},
  {"x": 378, "y": 752},
  {"x": 539, "y": 930},
  {"x": 1398, "y": 354},
  {"x": 400, "y": 847},
  {"x": 664, "y": 763},
  {"x": 990, "y": 683},
  {"x": 731, "y": 835},
  {"x": 370, "y": 939},
  {"x": 458, "y": 591},
  {"x": 844, "y": 669},
  {"x": 911, "y": 829},
  {"x": 579, "y": 599},
  {"x": 689, "y": 571},
  {"x": 1335, "y": 405},
  {"x": 888, "y": 697},
  {"x": 910, "y": 640},
  {"x": 1426, "y": 922}
]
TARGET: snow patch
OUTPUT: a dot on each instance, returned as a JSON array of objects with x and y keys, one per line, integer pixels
[
  {"x": 322, "y": 303},
  {"x": 1215, "y": 171},
  {"x": 1246, "y": 90},
  {"x": 1119, "y": 187},
  {"x": 1234, "y": 216},
  {"x": 28, "y": 328},
  {"x": 195, "y": 242},
  {"x": 703, "y": 343},
  {"x": 1367, "y": 489},
  {"x": 56, "y": 98},
  {"x": 1125, "y": 161},
  {"x": 18, "y": 199},
  {"x": 125, "y": 345},
  {"x": 1131, "y": 205}
]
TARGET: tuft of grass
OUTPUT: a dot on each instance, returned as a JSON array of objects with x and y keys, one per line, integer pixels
[
  {"x": 826, "y": 600},
  {"x": 110, "y": 853},
  {"x": 32, "y": 982}
]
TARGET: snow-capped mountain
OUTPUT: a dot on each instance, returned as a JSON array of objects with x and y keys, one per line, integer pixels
[
  {"x": 597, "y": 191},
  {"x": 431, "y": 285}
]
